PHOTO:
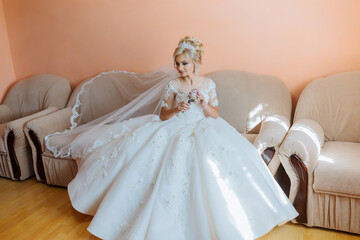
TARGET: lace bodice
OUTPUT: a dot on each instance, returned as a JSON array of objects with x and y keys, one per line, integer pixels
[{"x": 175, "y": 93}]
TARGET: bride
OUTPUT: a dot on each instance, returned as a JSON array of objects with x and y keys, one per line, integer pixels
[{"x": 185, "y": 174}]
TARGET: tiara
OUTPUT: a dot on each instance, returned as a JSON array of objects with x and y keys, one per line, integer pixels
[{"x": 187, "y": 46}]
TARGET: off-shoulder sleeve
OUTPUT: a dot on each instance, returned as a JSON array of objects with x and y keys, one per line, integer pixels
[
  {"x": 169, "y": 96},
  {"x": 212, "y": 94}
]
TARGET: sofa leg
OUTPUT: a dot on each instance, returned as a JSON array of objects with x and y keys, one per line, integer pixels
[
  {"x": 39, "y": 163},
  {"x": 268, "y": 154},
  {"x": 13, "y": 160},
  {"x": 300, "y": 202}
]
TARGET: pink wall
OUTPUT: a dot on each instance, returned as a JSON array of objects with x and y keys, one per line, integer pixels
[
  {"x": 294, "y": 40},
  {"x": 7, "y": 75}
]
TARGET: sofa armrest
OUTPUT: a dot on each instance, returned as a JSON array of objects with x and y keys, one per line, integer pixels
[
  {"x": 6, "y": 114},
  {"x": 299, "y": 154},
  {"x": 37, "y": 129},
  {"x": 305, "y": 140},
  {"x": 17, "y": 146},
  {"x": 271, "y": 135},
  {"x": 51, "y": 123}
]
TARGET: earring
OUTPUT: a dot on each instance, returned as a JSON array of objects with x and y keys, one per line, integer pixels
[{"x": 197, "y": 69}]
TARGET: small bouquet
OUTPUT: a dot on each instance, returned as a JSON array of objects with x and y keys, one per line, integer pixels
[{"x": 193, "y": 96}]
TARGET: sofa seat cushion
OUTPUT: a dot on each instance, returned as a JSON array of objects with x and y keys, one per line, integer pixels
[
  {"x": 250, "y": 136},
  {"x": 2, "y": 143},
  {"x": 338, "y": 171}
]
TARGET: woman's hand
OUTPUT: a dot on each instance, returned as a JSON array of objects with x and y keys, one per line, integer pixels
[
  {"x": 166, "y": 113},
  {"x": 182, "y": 107},
  {"x": 202, "y": 99}
]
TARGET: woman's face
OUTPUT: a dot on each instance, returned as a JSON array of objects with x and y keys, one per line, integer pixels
[{"x": 184, "y": 65}]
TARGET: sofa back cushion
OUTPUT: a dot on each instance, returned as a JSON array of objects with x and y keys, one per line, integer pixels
[
  {"x": 37, "y": 93},
  {"x": 333, "y": 102},
  {"x": 246, "y": 99}
]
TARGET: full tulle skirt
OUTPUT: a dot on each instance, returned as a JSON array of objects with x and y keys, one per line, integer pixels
[{"x": 174, "y": 179}]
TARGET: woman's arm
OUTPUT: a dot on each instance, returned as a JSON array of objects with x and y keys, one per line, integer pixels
[
  {"x": 211, "y": 108},
  {"x": 211, "y": 111},
  {"x": 167, "y": 113}
]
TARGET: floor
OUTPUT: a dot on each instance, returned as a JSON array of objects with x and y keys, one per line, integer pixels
[{"x": 33, "y": 210}]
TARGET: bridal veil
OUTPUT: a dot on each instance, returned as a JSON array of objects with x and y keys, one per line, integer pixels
[{"x": 141, "y": 91}]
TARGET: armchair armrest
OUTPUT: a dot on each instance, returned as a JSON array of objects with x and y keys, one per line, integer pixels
[
  {"x": 37, "y": 129},
  {"x": 299, "y": 154},
  {"x": 6, "y": 114},
  {"x": 305, "y": 140},
  {"x": 271, "y": 135},
  {"x": 17, "y": 146}
]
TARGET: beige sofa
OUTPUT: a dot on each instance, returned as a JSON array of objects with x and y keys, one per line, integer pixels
[
  {"x": 321, "y": 153},
  {"x": 258, "y": 106},
  {"x": 28, "y": 99}
]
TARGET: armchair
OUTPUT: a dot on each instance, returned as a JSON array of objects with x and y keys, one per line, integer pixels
[
  {"x": 28, "y": 99},
  {"x": 321, "y": 153}
]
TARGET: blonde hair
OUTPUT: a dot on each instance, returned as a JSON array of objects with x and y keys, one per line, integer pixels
[{"x": 195, "y": 53}]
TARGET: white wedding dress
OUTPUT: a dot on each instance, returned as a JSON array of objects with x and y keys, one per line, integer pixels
[{"x": 191, "y": 177}]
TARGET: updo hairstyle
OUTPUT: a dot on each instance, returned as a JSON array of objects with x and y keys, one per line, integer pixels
[{"x": 194, "y": 54}]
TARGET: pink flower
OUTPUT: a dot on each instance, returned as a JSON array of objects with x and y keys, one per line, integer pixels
[{"x": 193, "y": 96}]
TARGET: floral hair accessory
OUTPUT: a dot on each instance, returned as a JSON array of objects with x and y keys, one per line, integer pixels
[{"x": 193, "y": 96}]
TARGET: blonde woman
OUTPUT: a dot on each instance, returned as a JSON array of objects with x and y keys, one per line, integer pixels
[{"x": 185, "y": 174}]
